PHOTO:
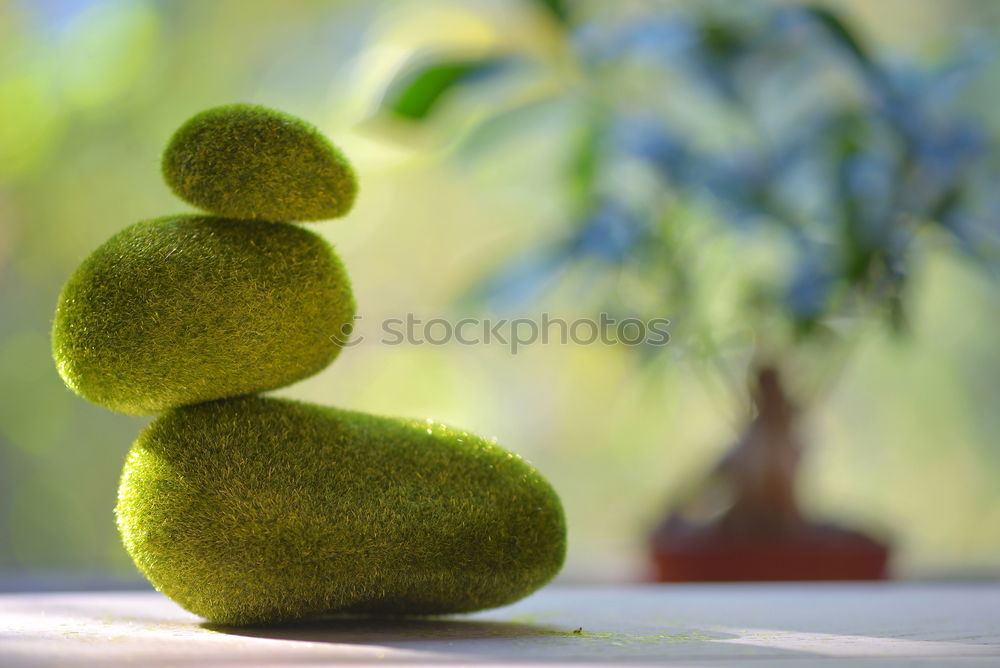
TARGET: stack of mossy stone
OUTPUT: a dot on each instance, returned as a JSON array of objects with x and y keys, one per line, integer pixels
[{"x": 246, "y": 509}]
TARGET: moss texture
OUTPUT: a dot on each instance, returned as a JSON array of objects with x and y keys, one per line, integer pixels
[
  {"x": 243, "y": 161},
  {"x": 184, "y": 309},
  {"x": 258, "y": 510}
]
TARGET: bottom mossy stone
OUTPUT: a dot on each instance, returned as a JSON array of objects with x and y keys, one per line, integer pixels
[{"x": 258, "y": 510}]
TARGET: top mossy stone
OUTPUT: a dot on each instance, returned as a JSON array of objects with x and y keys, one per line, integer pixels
[{"x": 245, "y": 161}]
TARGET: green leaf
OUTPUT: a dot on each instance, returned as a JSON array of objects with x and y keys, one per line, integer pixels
[
  {"x": 557, "y": 8},
  {"x": 416, "y": 92},
  {"x": 946, "y": 203},
  {"x": 841, "y": 34},
  {"x": 585, "y": 161},
  {"x": 899, "y": 321}
]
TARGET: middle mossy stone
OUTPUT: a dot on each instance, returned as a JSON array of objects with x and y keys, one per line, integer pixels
[{"x": 185, "y": 309}]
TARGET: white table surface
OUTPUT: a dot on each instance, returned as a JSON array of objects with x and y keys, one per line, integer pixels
[{"x": 886, "y": 624}]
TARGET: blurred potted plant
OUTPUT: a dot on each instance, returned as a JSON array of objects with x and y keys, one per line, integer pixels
[{"x": 754, "y": 125}]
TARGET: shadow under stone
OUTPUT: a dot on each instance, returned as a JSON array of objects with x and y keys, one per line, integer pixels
[
  {"x": 447, "y": 640},
  {"x": 391, "y": 631}
]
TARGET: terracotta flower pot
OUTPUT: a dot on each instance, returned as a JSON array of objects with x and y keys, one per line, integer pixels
[
  {"x": 685, "y": 553},
  {"x": 758, "y": 532}
]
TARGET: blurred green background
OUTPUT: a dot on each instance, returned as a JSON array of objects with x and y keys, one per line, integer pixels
[{"x": 908, "y": 443}]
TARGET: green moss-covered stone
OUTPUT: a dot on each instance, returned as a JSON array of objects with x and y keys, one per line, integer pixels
[
  {"x": 257, "y": 510},
  {"x": 244, "y": 161},
  {"x": 184, "y": 309}
]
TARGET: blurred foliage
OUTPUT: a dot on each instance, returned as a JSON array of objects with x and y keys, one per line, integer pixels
[
  {"x": 781, "y": 122},
  {"x": 538, "y": 160}
]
